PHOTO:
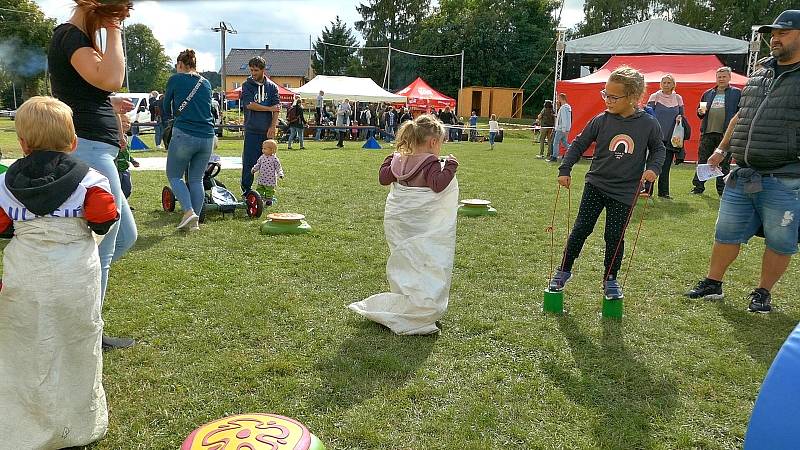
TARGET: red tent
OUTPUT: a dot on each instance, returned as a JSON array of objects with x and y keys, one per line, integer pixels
[
  {"x": 423, "y": 97},
  {"x": 694, "y": 74},
  {"x": 286, "y": 96}
]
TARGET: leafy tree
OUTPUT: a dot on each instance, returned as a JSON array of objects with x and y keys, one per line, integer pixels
[
  {"x": 213, "y": 77},
  {"x": 148, "y": 65},
  {"x": 731, "y": 18},
  {"x": 603, "y": 15},
  {"x": 388, "y": 22},
  {"x": 333, "y": 60},
  {"x": 25, "y": 33},
  {"x": 502, "y": 41}
]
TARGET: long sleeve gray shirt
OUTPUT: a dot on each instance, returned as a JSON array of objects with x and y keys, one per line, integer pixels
[{"x": 626, "y": 147}]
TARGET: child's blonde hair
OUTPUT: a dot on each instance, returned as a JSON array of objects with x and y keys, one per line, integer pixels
[
  {"x": 414, "y": 133},
  {"x": 493, "y": 117},
  {"x": 631, "y": 80},
  {"x": 271, "y": 145},
  {"x": 45, "y": 123}
]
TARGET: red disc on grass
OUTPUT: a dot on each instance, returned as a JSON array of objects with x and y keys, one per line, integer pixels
[{"x": 255, "y": 431}]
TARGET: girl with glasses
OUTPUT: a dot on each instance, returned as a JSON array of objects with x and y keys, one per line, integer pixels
[{"x": 629, "y": 151}]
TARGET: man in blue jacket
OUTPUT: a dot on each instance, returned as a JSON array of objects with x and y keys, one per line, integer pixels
[
  {"x": 717, "y": 107},
  {"x": 261, "y": 107}
]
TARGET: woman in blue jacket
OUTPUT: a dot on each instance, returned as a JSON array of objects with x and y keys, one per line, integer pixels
[{"x": 188, "y": 100}]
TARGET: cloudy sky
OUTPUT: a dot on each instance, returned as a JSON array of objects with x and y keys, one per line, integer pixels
[{"x": 286, "y": 24}]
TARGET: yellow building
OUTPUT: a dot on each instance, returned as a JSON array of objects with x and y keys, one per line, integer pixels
[
  {"x": 287, "y": 68},
  {"x": 485, "y": 101}
]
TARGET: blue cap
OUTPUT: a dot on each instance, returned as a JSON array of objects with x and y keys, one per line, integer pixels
[{"x": 788, "y": 20}]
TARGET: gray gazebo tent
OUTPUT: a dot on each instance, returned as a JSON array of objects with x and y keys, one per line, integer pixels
[{"x": 654, "y": 36}]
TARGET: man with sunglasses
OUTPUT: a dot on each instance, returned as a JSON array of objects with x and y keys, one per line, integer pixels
[{"x": 762, "y": 195}]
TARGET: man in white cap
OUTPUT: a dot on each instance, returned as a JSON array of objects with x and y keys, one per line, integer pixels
[{"x": 762, "y": 195}]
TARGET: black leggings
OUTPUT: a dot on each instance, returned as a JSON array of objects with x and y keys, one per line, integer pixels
[{"x": 592, "y": 204}]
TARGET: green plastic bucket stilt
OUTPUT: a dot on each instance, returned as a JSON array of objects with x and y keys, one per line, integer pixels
[
  {"x": 472, "y": 211},
  {"x": 612, "y": 308},
  {"x": 273, "y": 227},
  {"x": 553, "y": 302}
]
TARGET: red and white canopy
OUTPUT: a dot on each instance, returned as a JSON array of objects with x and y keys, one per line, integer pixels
[{"x": 421, "y": 96}]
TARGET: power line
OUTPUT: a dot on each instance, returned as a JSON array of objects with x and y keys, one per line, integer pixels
[
  {"x": 354, "y": 46},
  {"x": 426, "y": 56},
  {"x": 18, "y": 11}
]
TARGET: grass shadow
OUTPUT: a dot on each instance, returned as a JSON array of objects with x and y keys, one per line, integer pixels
[
  {"x": 623, "y": 394},
  {"x": 667, "y": 209},
  {"x": 373, "y": 361},
  {"x": 762, "y": 335}
]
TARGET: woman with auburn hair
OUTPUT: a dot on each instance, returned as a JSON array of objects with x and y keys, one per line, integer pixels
[
  {"x": 83, "y": 75},
  {"x": 188, "y": 102}
]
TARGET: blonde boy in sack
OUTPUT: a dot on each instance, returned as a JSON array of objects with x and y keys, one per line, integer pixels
[{"x": 51, "y": 361}]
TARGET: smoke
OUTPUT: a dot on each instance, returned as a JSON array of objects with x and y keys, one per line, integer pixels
[{"x": 22, "y": 60}]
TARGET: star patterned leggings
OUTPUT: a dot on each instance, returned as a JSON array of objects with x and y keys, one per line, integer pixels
[{"x": 592, "y": 204}]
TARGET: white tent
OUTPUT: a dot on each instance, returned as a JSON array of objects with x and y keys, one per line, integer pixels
[
  {"x": 656, "y": 36},
  {"x": 340, "y": 88}
]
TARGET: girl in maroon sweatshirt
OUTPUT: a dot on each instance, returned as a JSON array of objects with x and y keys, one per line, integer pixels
[{"x": 416, "y": 162}]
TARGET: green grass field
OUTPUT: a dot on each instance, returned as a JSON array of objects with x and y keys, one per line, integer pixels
[{"x": 230, "y": 321}]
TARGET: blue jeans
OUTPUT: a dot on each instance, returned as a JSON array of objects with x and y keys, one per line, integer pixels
[
  {"x": 559, "y": 137},
  {"x": 125, "y": 183},
  {"x": 250, "y": 155},
  {"x": 492, "y": 134},
  {"x": 158, "y": 129},
  {"x": 188, "y": 153},
  {"x": 295, "y": 132},
  {"x": 776, "y": 208},
  {"x": 120, "y": 238},
  {"x": 318, "y": 134}
]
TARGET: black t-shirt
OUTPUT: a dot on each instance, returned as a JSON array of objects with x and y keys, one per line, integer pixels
[{"x": 92, "y": 113}]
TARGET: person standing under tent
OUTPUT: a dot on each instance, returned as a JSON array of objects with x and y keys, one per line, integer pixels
[
  {"x": 343, "y": 112},
  {"x": 562, "y": 126},
  {"x": 261, "y": 107},
  {"x": 717, "y": 107},
  {"x": 297, "y": 123},
  {"x": 668, "y": 110}
]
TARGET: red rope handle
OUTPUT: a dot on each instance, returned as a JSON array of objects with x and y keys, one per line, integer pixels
[
  {"x": 569, "y": 228},
  {"x": 624, "y": 228},
  {"x": 551, "y": 230},
  {"x": 633, "y": 250}
]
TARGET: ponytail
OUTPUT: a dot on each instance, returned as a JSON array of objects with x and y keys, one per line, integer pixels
[{"x": 406, "y": 136}]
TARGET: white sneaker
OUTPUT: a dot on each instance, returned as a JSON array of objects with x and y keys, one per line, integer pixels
[{"x": 189, "y": 222}]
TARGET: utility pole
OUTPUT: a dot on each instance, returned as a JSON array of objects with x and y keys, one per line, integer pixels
[{"x": 223, "y": 29}]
